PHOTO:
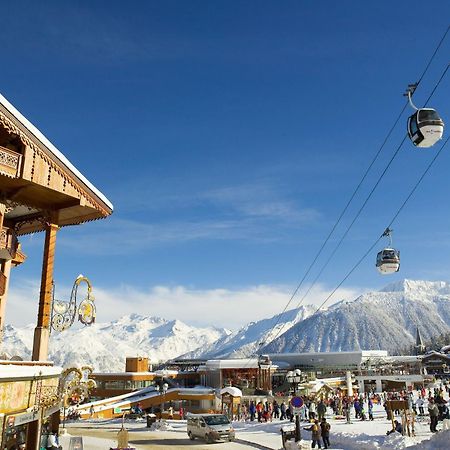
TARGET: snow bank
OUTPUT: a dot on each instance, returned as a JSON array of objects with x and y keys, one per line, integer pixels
[{"x": 439, "y": 441}]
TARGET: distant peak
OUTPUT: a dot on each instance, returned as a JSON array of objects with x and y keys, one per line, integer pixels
[{"x": 406, "y": 285}]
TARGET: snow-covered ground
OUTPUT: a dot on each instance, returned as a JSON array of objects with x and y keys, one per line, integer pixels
[{"x": 361, "y": 435}]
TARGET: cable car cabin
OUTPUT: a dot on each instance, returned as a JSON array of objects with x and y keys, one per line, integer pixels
[
  {"x": 425, "y": 127},
  {"x": 388, "y": 261}
]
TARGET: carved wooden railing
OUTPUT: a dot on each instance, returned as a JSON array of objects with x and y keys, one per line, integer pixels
[
  {"x": 9, "y": 162},
  {"x": 8, "y": 244}
]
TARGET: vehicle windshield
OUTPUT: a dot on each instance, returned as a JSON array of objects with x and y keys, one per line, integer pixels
[
  {"x": 428, "y": 114},
  {"x": 217, "y": 420}
]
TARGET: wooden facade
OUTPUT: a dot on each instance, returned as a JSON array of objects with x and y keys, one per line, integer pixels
[{"x": 40, "y": 190}]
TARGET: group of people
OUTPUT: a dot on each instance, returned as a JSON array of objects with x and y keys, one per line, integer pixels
[
  {"x": 267, "y": 411},
  {"x": 320, "y": 430}
]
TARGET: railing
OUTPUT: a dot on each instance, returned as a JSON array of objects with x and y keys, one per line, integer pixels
[
  {"x": 9, "y": 162},
  {"x": 8, "y": 244}
]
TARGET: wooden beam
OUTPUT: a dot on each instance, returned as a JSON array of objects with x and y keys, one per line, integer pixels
[{"x": 42, "y": 330}]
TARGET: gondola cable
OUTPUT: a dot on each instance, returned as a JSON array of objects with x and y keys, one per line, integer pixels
[
  {"x": 356, "y": 189},
  {"x": 348, "y": 204},
  {"x": 364, "y": 204},
  {"x": 389, "y": 226}
]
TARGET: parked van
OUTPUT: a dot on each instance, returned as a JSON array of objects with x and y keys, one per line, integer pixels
[{"x": 211, "y": 427}]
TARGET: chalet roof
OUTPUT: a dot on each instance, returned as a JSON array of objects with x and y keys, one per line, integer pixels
[{"x": 45, "y": 179}]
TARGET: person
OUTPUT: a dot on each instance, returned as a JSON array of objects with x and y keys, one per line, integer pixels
[
  {"x": 419, "y": 404},
  {"x": 362, "y": 411},
  {"x": 291, "y": 412},
  {"x": 276, "y": 410},
  {"x": 397, "y": 427},
  {"x": 259, "y": 410},
  {"x": 252, "y": 410},
  {"x": 283, "y": 411},
  {"x": 52, "y": 443},
  {"x": 370, "y": 409},
  {"x": 321, "y": 410},
  {"x": 170, "y": 412},
  {"x": 182, "y": 412},
  {"x": 433, "y": 410},
  {"x": 303, "y": 413},
  {"x": 325, "y": 431},
  {"x": 346, "y": 410},
  {"x": 357, "y": 407},
  {"x": 91, "y": 411},
  {"x": 316, "y": 433},
  {"x": 312, "y": 410}
]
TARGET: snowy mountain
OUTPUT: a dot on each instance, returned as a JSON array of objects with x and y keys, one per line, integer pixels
[
  {"x": 384, "y": 320},
  {"x": 105, "y": 346},
  {"x": 246, "y": 341}
]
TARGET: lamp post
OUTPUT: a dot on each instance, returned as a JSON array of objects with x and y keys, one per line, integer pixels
[
  {"x": 162, "y": 389},
  {"x": 295, "y": 377}
]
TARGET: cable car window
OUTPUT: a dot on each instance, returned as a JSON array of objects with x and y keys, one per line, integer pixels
[
  {"x": 413, "y": 125},
  {"x": 428, "y": 114}
]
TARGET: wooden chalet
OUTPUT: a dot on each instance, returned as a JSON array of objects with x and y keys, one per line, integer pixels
[{"x": 40, "y": 191}]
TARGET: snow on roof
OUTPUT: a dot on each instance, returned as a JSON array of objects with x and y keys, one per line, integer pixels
[
  {"x": 324, "y": 359},
  {"x": 245, "y": 363},
  {"x": 165, "y": 372},
  {"x": 32, "y": 129},
  {"x": 21, "y": 371},
  {"x": 233, "y": 391}
]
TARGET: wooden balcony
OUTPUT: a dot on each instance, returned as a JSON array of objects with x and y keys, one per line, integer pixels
[
  {"x": 8, "y": 244},
  {"x": 10, "y": 162}
]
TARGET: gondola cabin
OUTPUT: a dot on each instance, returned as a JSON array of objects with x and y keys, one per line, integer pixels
[
  {"x": 425, "y": 127},
  {"x": 388, "y": 261}
]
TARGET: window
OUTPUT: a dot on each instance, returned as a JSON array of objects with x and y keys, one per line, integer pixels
[{"x": 428, "y": 114}]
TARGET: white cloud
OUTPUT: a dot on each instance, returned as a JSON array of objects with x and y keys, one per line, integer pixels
[{"x": 229, "y": 308}]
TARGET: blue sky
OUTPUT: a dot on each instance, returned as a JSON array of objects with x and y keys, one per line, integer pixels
[{"x": 228, "y": 135}]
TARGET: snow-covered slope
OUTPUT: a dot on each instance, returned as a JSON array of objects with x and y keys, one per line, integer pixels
[
  {"x": 247, "y": 340},
  {"x": 105, "y": 346},
  {"x": 385, "y": 320}
]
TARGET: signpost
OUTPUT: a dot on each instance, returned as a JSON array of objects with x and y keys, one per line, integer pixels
[{"x": 297, "y": 403}]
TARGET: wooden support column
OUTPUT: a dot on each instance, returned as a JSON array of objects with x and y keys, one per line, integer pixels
[
  {"x": 5, "y": 268},
  {"x": 42, "y": 330}
]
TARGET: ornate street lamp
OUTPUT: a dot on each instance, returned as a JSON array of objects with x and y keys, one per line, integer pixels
[
  {"x": 64, "y": 313},
  {"x": 295, "y": 377},
  {"x": 162, "y": 389}
]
